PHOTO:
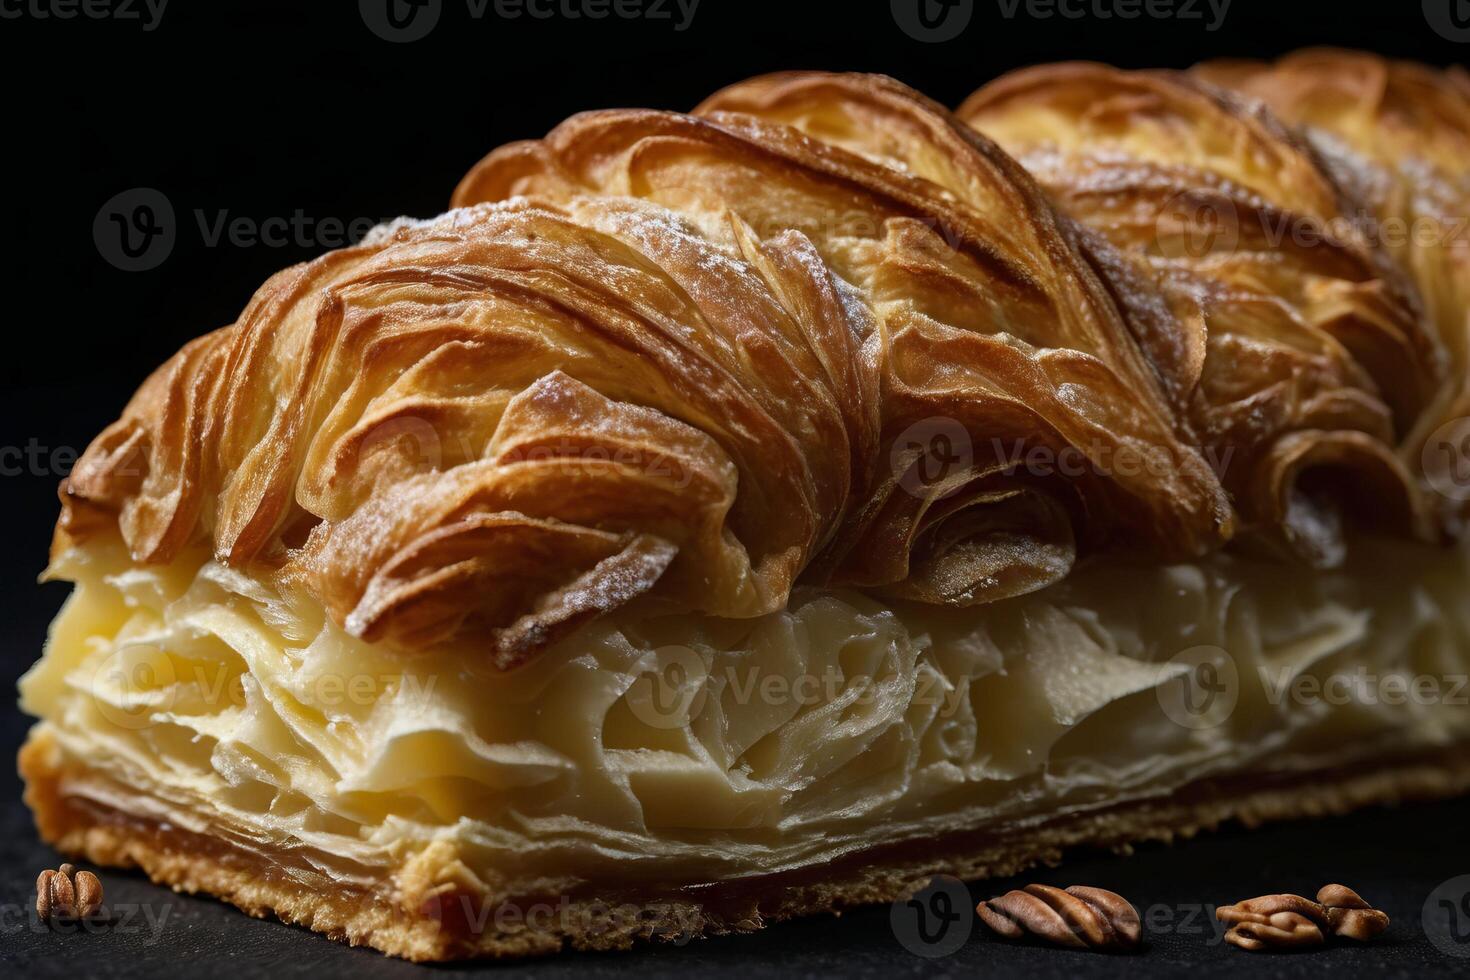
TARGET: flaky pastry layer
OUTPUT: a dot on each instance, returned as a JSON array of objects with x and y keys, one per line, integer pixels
[
  {"x": 454, "y": 924},
  {"x": 651, "y": 747}
]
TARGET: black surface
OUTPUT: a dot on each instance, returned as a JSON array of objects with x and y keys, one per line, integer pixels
[
  {"x": 1395, "y": 858},
  {"x": 262, "y": 110}
]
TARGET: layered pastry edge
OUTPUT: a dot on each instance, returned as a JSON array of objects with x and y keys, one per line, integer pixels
[{"x": 201, "y": 724}]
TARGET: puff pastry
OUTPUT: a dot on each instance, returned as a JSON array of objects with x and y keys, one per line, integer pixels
[{"x": 917, "y": 455}]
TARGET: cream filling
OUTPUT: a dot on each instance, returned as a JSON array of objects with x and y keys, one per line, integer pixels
[{"x": 652, "y": 745}]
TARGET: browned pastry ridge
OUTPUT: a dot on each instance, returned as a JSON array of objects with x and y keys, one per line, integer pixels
[
  {"x": 682, "y": 355},
  {"x": 1310, "y": 352},
  {"x": 819, "y": 337},
  {"x": 671, "y": 310},
  {"x": 1397, "y": 135}
]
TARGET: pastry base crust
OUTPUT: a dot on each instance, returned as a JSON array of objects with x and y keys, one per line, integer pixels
[{"x": 431, "y": 924}]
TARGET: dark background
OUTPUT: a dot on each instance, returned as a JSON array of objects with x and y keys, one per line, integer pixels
[{"x": 299, "y": 112}]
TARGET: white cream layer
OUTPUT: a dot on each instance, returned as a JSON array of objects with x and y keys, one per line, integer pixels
[{"x": 651, "y": 744}]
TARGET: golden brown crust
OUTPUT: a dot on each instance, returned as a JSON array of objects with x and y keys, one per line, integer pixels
[
  {"x": 420, "y": 923},
  {"x": 1314, "y": 359},
  {"x": 701, "y": 356},
  {"x": 482, "y": 419},
  {"x": 1397, "y": 134}
]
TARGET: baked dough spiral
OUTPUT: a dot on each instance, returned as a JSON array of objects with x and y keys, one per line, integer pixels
[
  {"x": 1397, "y": 135},
  {"x": 1309, "y": 357},
  {"x": 821, "y": 329}
]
